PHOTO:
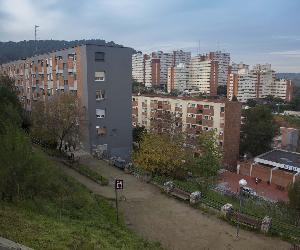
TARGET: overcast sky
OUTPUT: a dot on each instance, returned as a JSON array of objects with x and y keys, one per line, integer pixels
[{"x": 253, "y": 31}]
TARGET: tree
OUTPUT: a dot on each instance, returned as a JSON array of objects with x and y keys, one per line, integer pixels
[
  {"x": 222, "y": 90},
  {"x": 159, "y": 154},
  {"x": 251, "y": 103},
  {"x": 257, "y": 131},
  {"x": 208, "y": 163},
  {"x": 138, "y": 133},
  {"x": 10, "y": 106},
  {"x": 57, "y": 120},
  {"x": 294, "y": 198}
]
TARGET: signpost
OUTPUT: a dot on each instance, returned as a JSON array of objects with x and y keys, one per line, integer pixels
[{"x": 119, "y": 184}]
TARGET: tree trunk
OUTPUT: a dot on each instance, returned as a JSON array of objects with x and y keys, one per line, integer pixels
[{"x": 60, "y": 145}]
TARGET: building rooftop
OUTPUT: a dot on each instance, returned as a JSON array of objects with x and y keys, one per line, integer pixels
[
  {"x": 280, "y": 158},
  {"x": 188, "y": 98}
]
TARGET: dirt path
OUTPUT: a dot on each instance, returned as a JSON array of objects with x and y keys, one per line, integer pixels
[{"x": 176, "y": 225}]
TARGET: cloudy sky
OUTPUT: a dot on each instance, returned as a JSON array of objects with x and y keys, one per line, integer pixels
[{"x": 253, "y": 31}]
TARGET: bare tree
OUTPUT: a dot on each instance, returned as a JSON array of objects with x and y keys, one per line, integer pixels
[{"x": 57, "y": 119}]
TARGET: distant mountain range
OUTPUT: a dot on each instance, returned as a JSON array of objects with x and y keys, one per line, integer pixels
[
  {"x": 10, "y": 51},
  {"x": 295, "y": 77}
]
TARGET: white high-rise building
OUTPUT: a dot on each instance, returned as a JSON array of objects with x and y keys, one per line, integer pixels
[
  {"x": 178, "y": 77},
  {"x": 203, "y": 75},
  {"x": 283, "y": 89},
  {"x": 265, "y": 78},
  {"x": 241, "y": 83},
  {"x": 152, "y": 69},
  {"x": 223, "y": 60},
  {"x": 165, "y": 61},
  {"x": 259, "y": 82},
  {"x": 138, "y": 68},
  {"x": 180, "y": 56}
]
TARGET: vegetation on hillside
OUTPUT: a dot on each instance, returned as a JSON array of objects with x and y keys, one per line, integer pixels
[
  {"x": 41, "y": 207},
  {"x": 10, "y": 51}
]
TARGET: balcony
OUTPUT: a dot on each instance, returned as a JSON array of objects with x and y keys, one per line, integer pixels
[
  {"x": 191, "y": 110},
  {"x": 134, "y": 103},
  {"x": 208, "y": 123},
  {"x": 135, "y": 111},
  {"x": 208, "y": 112},
  {"x": 191, "y": 120}
]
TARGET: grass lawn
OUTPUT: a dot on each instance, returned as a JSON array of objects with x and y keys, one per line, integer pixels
[{"x": 72, "y": 219}]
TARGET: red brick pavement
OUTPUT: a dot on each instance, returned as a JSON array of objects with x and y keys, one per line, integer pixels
[{"x": 269, "y": 191}]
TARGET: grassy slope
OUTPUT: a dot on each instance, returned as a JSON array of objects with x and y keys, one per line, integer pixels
[{"x": 80, "y": 220}]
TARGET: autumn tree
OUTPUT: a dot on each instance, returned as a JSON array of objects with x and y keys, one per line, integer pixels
[
  {"x": 159, "y": 154},
  {"x": 57, "y": 119}
]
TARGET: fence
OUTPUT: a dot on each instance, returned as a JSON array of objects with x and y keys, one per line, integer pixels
[{"x": 278, "y": 227}]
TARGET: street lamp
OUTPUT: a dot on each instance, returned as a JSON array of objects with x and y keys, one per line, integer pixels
[{"x": 242, "y": 183}]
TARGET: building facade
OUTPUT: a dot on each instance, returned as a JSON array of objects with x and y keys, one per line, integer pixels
[
  {"x": 259, "y": 82},
  {"x": 192, "y": 117},
  {"x": 241, "y": 83},
  {"x": 138, "y": 67},
  {"x": 223, "y": 60},
  {"x": 203, "y": 75},
  {"x": 99, "y": 75},
  {"x": 277, "y": 167},
  {"x": 178, "y": 78}
]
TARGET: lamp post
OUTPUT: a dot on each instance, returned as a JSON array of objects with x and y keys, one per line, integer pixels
[{"x": 242, "y": 183}]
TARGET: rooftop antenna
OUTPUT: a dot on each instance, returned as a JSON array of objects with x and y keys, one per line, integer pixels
[
  {"x": 35, "y": 36},
  {"x": 199, "y": 47}
]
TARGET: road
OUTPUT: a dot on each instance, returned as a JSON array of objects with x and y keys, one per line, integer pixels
[{"x": 175, "y": 224}]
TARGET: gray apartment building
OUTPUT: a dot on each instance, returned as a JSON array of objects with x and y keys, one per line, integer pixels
[{"x": 100, "y": 75}]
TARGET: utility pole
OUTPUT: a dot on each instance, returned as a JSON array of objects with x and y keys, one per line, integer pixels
[{"x": 35, "y": 36}]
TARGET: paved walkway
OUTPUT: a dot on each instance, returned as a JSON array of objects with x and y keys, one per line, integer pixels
[{"x": 175, "y": 224}]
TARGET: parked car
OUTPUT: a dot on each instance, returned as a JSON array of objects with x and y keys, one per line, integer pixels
[
  {"x": 119, "y": 163},
  {"x": 249, "y": 191}
]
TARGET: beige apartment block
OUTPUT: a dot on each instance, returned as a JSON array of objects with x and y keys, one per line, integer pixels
[{"x": 192, "y": 117}]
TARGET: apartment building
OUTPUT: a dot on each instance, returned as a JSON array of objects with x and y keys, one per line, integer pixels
[
  {"x": 191, "y": 116},
  {"x": 180, "y": 57},
  {"x": 152, "y": 69},
  {"x": 223, "y": 60},
  {"x": 138, "y": 67},
  {"x": 241, "y": 83},
  {"x": 178, "y": 77},
  {"x": 258, "y": 82},
  {"x": 203, "y": 75},
  {"x": 264, "y": 77},
  {"x": 100, "y": 75},
  {"x": 283, "y": 89}
]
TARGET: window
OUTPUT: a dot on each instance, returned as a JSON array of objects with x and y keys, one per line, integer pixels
[
  {"x": 65, "y": 82},
  {"x": 100, "y": 113},
  {"x": 100, "y": 76},
  {"x": 206, "y": 117},
  {"x": 101, "y": 131},
  {"x": 99, "y": 56},
  {"x": 206, "y": 106},
  {"x": 222, "y": 109},
  {"x": 100, "y": 94}
]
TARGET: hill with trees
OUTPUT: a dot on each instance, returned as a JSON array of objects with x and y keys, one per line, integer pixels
[{"x": 10, "y": 51}]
